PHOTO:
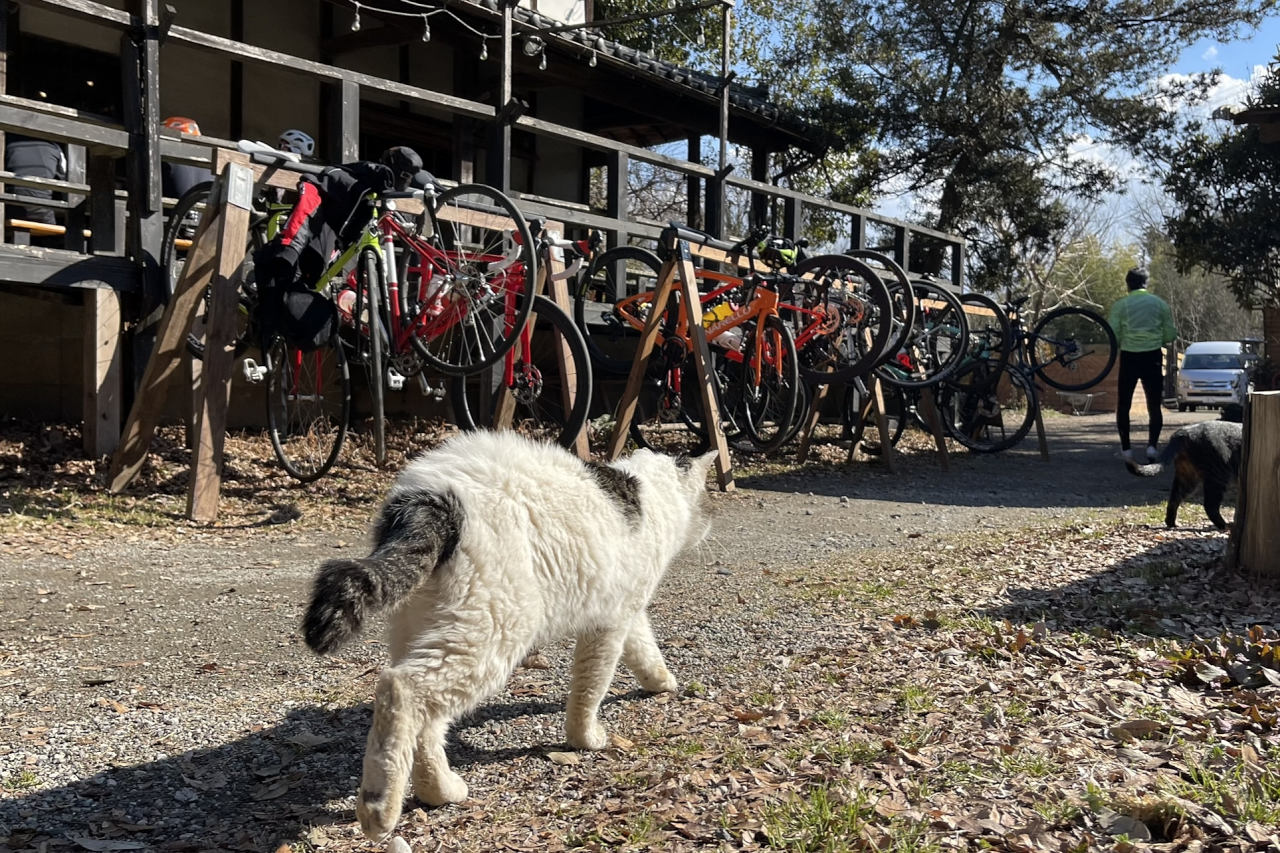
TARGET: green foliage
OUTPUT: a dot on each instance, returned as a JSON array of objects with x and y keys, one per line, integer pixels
[
  {"x": 976, "y": 106},
  {"x": 1196, "y": 296},
  {"x": 1226, "y": 188}
]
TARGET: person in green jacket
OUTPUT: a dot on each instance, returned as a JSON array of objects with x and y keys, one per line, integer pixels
[{"x": 1143, "y": 324}]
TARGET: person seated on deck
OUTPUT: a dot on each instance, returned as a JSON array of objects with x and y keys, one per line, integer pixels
[
  {"x": 177, "y": 178},
  {"x": 35, "y": 158}
]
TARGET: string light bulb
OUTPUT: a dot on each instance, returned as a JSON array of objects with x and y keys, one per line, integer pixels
[
  {"x": 542, "y": 61},
  {"x": 591, "y": 60},
  {"x": 426, "y": 30},
  {"x": 355, "y": 22},
  {"x": 484, "y": 50}
]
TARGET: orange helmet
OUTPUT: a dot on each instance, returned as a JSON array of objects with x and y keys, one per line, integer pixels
[{"x": 182, "y": 124}]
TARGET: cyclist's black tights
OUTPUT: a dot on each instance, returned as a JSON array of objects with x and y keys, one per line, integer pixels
[{"x": 1147, "y": 368}]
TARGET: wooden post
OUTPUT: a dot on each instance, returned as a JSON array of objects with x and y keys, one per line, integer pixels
[
  {"x": 166, "y": 358},
  {"x": 819, "y": 397},
  {"x": 554, "y": 265},
  {"x": 930, "y": 411},
  {"x": 1258, "y": 510},
  {"x": 874, "y": 405},
  {"x": 102, "y": 371},
  {"x": 678, "y": 267},
  {"x": 220, "y": 333},
  {"x": 1044, "y": 445}
]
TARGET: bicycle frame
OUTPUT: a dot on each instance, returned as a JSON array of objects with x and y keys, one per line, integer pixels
[
  {"x": 760, "y": 304},
  {"x": 435, "y": 284}
]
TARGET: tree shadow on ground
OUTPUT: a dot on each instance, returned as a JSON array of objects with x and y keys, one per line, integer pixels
[
  {"x": 271, "y": 786},
  {"x": 1176, "y": 588}
]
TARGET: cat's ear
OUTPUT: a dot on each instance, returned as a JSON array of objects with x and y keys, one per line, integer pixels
[{"x": 702, "y": 464}]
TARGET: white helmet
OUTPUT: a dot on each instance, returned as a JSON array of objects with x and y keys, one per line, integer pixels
[{"x": 297, "y": 142}]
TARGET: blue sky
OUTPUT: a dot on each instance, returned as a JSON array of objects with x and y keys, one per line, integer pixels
[{"x": 1236, "y": 59}]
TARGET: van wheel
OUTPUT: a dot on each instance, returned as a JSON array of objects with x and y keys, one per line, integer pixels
[
  {"x": 1182, "y": 407},
  {"x": 1191, "y": 407}
]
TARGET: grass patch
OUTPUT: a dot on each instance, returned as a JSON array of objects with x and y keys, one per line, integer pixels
[
  {"x": 23, "y": 780},
  {"x": 823, "y": 819},
  {"x": 916, "y": 699}
]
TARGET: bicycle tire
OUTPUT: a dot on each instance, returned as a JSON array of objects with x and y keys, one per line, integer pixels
[
  {"x": 182, "y": 225},
  {"x": 538, "y": 387},
  {"x": 369, "y": 296},
  {"x": 667, "y": 417},
  {"x": 1072, "y": 348},
  {"x": 613, "y": 347},
  {"x": 850, "y": 292},
  {"x": 900, "y": 300},
  {"x": 895, "y": 412},
  {"x": 457, "y": 300},
  {"x": 988, "y": 410},
  {"x": 768, "y": 410},
  {"x": 307, "y": 430},
  {"x": 936, "y": 344},
  {"x": 990, "y": 332}
]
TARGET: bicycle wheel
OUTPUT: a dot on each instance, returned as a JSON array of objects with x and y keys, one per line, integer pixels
[
  {"x": 668, "y": 414},
  {"x": 611, "y": 275},
  {"x": 538, "y": 387},
  {"x": 936, "y": 344},
  {"x": 990, "y": 333},
  {"x": 179, "y": 233},
  {"x": 308, "y": 406},
  {"x": 769, "y": 406},
  {"x": 1072, "y": 348},
  {"x": 988, "y": 410},
  {"x": 374, "y": 345},
  {"x": 901, "y": 302},
  {"x": 468, "y": 293},
  {"x": 841, "y": 320}
]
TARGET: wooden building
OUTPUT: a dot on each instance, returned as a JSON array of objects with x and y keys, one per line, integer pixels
[{"x": 543, "y": 106}]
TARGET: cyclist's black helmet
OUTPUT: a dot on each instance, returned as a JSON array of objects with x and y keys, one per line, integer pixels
[
  {"x": 404, "y": 162},
  {"x": 1136, "y": 278}
]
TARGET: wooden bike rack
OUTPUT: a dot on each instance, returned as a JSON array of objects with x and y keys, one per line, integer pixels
[
  {"x": 677, "y": 271},
  {"x": 550, "y": 279},
  {"x": 215, "y": 260}
]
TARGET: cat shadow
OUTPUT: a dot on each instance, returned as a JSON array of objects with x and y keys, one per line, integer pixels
[
  {"x": 1176, "y": 588},
  {"x": 269, "y": 787}
]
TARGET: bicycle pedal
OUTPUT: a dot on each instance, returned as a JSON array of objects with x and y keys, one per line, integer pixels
[
  {"x": 395, "y": 381},
  {"x": 253, "y": 372},
  {"x": 428, "y": 390}
]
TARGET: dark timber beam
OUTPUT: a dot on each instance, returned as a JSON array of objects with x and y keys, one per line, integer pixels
[{"x": 140, "y": 55}]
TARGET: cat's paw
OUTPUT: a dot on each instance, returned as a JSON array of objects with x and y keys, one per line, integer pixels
[
  {"x": 439, "y": 789},
  {"x": 664, "y": 682},
  {"x": 378, "y": 813},
  {"x": 592, "y": 736}
]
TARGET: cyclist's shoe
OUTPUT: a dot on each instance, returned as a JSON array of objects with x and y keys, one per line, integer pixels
[
  {"x": 1152, "y": 453},
  {"x": 1127, "y": 455}
]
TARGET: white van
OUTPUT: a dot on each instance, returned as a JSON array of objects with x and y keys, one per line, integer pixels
[{"x": 1214, "y": 373}]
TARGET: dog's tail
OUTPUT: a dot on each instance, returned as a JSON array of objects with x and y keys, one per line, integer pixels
[
  {"x": 1166, "y": 456},
  {"x": 415, "y": 533}
]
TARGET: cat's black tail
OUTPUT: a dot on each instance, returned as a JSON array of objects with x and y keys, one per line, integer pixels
[
  {"x": 1166, "y": 456},
  {"x": 415, "y": 532}
]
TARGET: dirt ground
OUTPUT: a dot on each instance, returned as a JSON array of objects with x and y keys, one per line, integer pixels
[{"x": 155, "y": 693}]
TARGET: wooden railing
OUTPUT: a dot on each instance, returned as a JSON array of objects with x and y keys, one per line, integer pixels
[{"x": 105, "y": 141}]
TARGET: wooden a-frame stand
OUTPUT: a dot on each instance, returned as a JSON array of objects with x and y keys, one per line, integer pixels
[
  {"x": 873, "y": 406},
  {"x": 678, "y": 269},
  {"x": 550, "y": 278},
  {"x": 214, "y": 259}
]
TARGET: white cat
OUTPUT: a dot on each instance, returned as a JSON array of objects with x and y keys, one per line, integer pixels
[{"x": 488, "y": 547}]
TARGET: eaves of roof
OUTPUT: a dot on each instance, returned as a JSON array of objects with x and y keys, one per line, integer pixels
[{"x": 742, "y": 100}]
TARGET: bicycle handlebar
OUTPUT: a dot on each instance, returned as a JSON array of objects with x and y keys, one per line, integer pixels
[{"x": 702, "y": 238}]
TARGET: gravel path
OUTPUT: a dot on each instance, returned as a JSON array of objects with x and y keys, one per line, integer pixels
[{"x": 155, "y": 694}]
